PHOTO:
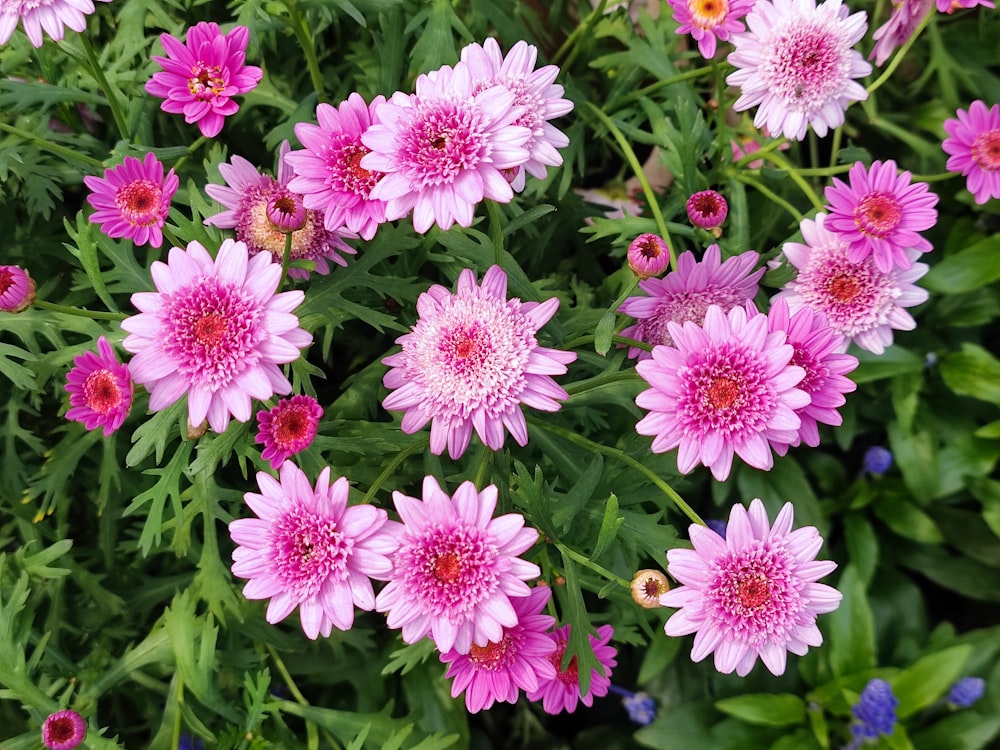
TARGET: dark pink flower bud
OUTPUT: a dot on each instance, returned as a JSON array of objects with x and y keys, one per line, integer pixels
[
  {"x": 648, "y": 255},
  {"x": 707, "y": 209}
]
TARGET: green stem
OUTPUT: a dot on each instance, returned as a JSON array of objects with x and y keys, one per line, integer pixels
[
  {"x": 588, "y": 563},
  {"x": 599, "y": 381},
  {"x": 770, "y": 195},
  {"x": 725, "y": 151},
  {"x": 301, "y": 31},
  {"x": 110, "y": 94},
  {"x": 616, "y": 339},
  {"x": 797, "y": 178},
  {"x": 483, "y": 467},
  {"x": 286, "y": 258},
  {"x": 191, "y": 149},
  {"x": 391, "y": 468},
  {"x": 80, "y": 312},
  {"x": 496, "y": 230},
  {"x": 177, "y": 716},
  {"x": 625, "y": 459},
  {"x": 312, "y": 734},
  {"x": 824, "y": 171},
  {"x": 629, "y": 288},
  {"x": 767, "y": 148},
  {"x": 662, "y": 83},
  {"x": 901, "y": 53},
  {"x": 569, "y": 48},
  {"x": 835, "y": 147},
  {"x": 939, "y": 177},
  {"x": 55, "y": 148}
]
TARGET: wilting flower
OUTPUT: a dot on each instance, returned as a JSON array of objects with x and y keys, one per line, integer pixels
[
  {"x": 471, "y": 361},
  {"x": 457, "y": 568},
  {"x": 133, "y": 199},
  {"x": 199, "y": 78},
  {"x": 647, "y": 585},
  {"x": 562, "y": 692},
  {"x": 63, "y": 730},
  {"x": 974, "y": 145},
  {"x": 500, "y": 670},
  {"x": 686, "y": 294},
  {"x": 751, "y": 594},
  {"x": 288, "y": 428},
  {"x": 17, "y": 289},
  {"x": 307, "y": 549},
  {"x": 966, "y": 691},
  {"x": 100, "y": 389},
  {"x": 707, "y": 209},
  {"x": 798, "y": 63},
  {"x": 215, "y": 330},
  {"x": 648, "y": 255},
  {"x": 50, "y": 15},
  {"x": 902, "y": 24},
  {"x": 875, "y": 712},
  {"x": 263, "y": 209},
  {"x": 710, "y": 21}
]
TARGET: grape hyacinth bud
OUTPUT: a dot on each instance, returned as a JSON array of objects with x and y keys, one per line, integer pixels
[
  {"x": 875, "y": 711},
  {"x": 647, "y": 585},
  {"x": 17, "y": 289},
  {"x": 877, "y": 460},
  {"x": 640, "y": 706},
  {"x": 717, "y": 525},
  {"x": 648, "y": 256},
  {"x": 966, "y": 691},
  {"x": 707, "y": 209}
]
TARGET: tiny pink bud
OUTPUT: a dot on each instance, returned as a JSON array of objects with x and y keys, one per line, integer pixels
[
  {"x": 707, "y": 209},
  {"x": 17, "y": 289},
  {"x": 286, "y": 212},
  {"x": 648, "y": 255}
]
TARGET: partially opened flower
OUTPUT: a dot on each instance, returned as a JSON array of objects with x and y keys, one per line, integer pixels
[
  {"x": 648, "y": 255},
  {"x": 215, "y": 330},
  {"x": 133, "y": 199},
  {"x": 562, "y": 691},
  {"x": 17, "y": 289},
  {"x": 707, "y": 209},
  {"x": 288, "y": 428},
  {"x": 100, "y": 389},
  {"x": 974, "y": 148},
  {"x": 903, "y": 21},
  {"x": 200, "y": 77},
  {"x": 48, "y": 15},
  {"x": 457, "y": 568},
  {"x": 710, "y": 21},
  {"x": 308, "y": 550},
  {"x": 471, "y": 361},
  {"x": 63, "y": 730},
  {"x": 753, "y": 594}
]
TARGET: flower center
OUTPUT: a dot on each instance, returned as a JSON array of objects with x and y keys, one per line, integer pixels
[
  {"x": 210, "y": 329},
  {"x": 844, "y": 287},
  {"x": 877, "y": 214},
  {"x": 571, "y": 676},
  {"x": 61, "y": 730},
  {"x": 139, "y": 202},
  {"x": 206, "y": 81},
  {"x": 650, "y": 249},
  {"x": 753, "y": 595},
  {"x": 807, "y": 66},
  {"x": 651, "y": 588},
  {"x": 347, "y": 174},
  {"x": 444, "y": 139},
  {"x": 753, "y": 592},
  {"x": 723, "y": 392},
  {"x": 308, "y": 549},
  {"x": 291, "y": 427},
  {"x": 707, "y": 14},
  {"x": 727, "y": 390},
  {"x": 493, "y": 656},
  {"x": 101, "y": 392},
  {"x": 986, "y": 150},
  {"x": 6, "y": 280},
  {"x": 448, "y": 567}
]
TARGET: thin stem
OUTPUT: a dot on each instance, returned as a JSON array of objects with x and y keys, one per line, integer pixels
[
  {"x": 483, "y": 467},
  {"x": 824, "y": 171},
  {"x": 940, "y": 177},
  {"x": 616, "y": 339},
  {"x": 80, "y": 312},
  {"x": 568, "y": 47},
  {"x": 48, "y": 145},
  {"x": 177, "y": 716},
  {"x": 391, "y": 468},
  {"x": 797, "y": 178},
  {"x": 496, "y": 230},
  {"x": 835, "y": 147},
  {"x": 102, "y": 80},
  {"x": 901, "y": 53},
  {"x": 286, "y": 257},
  {"x": 588, "y": 563},
  {"x": 599, "y": 381},
  {"x": 313, "y": 735},
  {"x": 770, "y": 195},
  {"x": 195, "y": 145},
  {"x": 663, "y": 83},
  {"x": 720, "y": 112},
  {"x": 629, "y": 288},
  {"x": 305, "y": 39}
]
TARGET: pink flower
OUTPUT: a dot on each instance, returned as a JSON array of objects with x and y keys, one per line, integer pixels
[
  {"x": 950, "y": 6},
  {"x": 133, "y": 199},
  {"x": 860, "y": 302},
  {"x": 687, "y": 293},
  {"x": 562, "y": 692},
  {"x": 534, "y": 90},
  {"x": 63, "y": 730},
  {"x": 17, "y": 289},
  {"x": 798, "y": 63},
  {"x": 441, "y": 150},
  {"x": 707, "y": 209},
  {"x": 815, "y": 344},
  {"x": 288, "y": 428},
  {"x": 200, "y": 78},
  {"x": 100, "y": 389},
  {"x": 648, "y": 255},
  {"x": 328, "y": 172},
  {"x": 727, "y": 387},
  {"x": 974, "y": 145},
  {"x": 498, "y": 671},
  {"x": 457, "y": 568},
  {"x": 263, "y": 209},
  {"x": 215, "y": 330},
  {"x": 751, "y": 594},
  {"x": 903, "y": 22},
  {"x": 307, "y": 549},
  {"x": 471, "y": 361},
  {"x": 618, "y": 202},
  {"x": 50, "y": 15},
  {"x": 880, "y": 213},
  {"x": 710, "y": 21}
]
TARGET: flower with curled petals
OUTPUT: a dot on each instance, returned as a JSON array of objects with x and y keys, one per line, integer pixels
[
  {"x": 133, "y": 199},
  {"x": 973, "y": 146},
  {"x": 752, "y": 594},
  {"x": 562, "y": 692},
  {"x": 63, "y": 730},
  {"x": 100, "y": 389}
]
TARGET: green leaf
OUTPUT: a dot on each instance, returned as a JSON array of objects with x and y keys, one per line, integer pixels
[
  {"x": 987, "y": 491},
  {"x": 928, "y": 679},
  {"x": 862, "y": 545},
  {"x": 893, "y": 361},
  {"x": 782, "y": 710},
  {"x": 906, "y": 519},
  {"x": 852, "y": 628},
  {"x": 19, "y": 375},
  {"x": 578, "y": 646},
  {"x": 973, "y": 372},
  {"x": 915, "y": 453},
  {"x": 965, "y": 731},
  {"x": 603, "y": 333},
  {"x": 969, "y": 269},
  {"x": 579, "y": 495},
  {"x": 609, "y": 527}
]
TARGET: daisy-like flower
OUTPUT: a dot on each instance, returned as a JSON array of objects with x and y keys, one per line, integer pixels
[
  {"x": 498, "y": 671},
  {"x": 860, "y": 302},
  {"x": 17, "y": 289},
  {"x": 903, "y": 22},
  {"x": 710, "y": 21},
  {"x": 441, "y": 150},
  {"x": 816, "y": 347},
  {"x": 798, "y": 63},
  {"x": 751, "y": 594},
  {"x": 288, "y": 428},
  {"x": 100, "y": 389},
  {"x": 263, "y": 210},
  {"x": 48, "y": 15},
  {"x": 648, "y": 255},
  {"x": 880, "y": 213},
  {"x": 471, "y": 361},
  {"x": 307, "y": 549},
  {"x": 457, "y": 568},
  {"x": 687, "y": 293},
  {"x": 63, "y": 730},
  {"x": 562, "y": 692},
  {"x": 133, "y": 199},
  {"x": 974, "y": 148},
  {"x": 727, "y": 387},
  {"x": 707, "y": 209},
  {"x": 534, "y": 90},
  {"x": 215, "y": 330},
  {"x": 200, "y": 78}
]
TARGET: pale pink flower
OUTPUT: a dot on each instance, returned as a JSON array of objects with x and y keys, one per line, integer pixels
[
  {"x": 457, "y": 568},
  {"x": 307, "y": 549},
  {"x": 215, "y": 330},
  {"x": 48, "y": 15},
  {"x": 753, "y": 593},
  {"x": 562, "y": 692},
  {"x": 100, "y": 389},
  {"x": 17, "y": 289},
  {"x": 471, "y": 361},
  {"x": 63, "y": 730},
  {"x": 860, "y": 302},
  {"x": 797, "y": 64},
  {"x": 974, "y": 148},
  {"x": 288, "y": 428},
  {"x": 710, "y": 21},
  {"x": 902, "y": 24}
]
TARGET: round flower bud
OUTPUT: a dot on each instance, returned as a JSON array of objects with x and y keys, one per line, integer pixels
[
  {"x": 17, "y": 289},
  {"x": 648, "y": 255},
  {"x": 286, "y": 212},
  {"x": 647, "y": 585},
  {"x": 707, "y": 209},
  {"x": 63, "y": 730}
]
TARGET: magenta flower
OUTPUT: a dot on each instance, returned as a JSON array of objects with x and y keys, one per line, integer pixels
[
  {"x": 328, "y": 172},
  {"x": 63, "y": 730},
  {"x": 100, "y": 389},
  {"x": 307, "y": 549},
  {"x": 498, "y": 671},
  {"x": 133, "y": 199},
  {"x": 215, "y": 330},
  {"x": 263, "y": 210},
  {"x": 562, "y": 692},
  {"x": 648, "y": 255},
  {"x": 200, "y": 78},
  {"x": 687, "y": 293},
  {"x": 727, "y": 387},
  {"x": 17, "y": 289},
  {"x": 710, "y": 21},
  {"x": 860, "y": 303},
  {"x": 288, "y": 428},
  {"x": 880, "y": 213},
  {"x": 50, "y": 15},
  {"x": 471, "y": 361},
  {"x": 798, "y": 63},
  {"x": 534, "y": 90},
  {"x": 457, "y": 568},
  {"x": 707, "y": 209},
  {"x": 974, "y": 148},
  {"x": 950, "y": 6},
  {"x": 442, "y": 150},
  {"x": 751, "y": 594},
  {"x": 903, "y": 21}
]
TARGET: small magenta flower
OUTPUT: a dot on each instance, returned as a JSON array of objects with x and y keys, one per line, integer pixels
[
  {"x": 63, "y": 730},
  {"x": 875, "y": 711},
  {"x": 200, "y": 78},
  {"x": 648, "y": 255},
  {"x": 288, "y": 428},
  {"x": 647, "y": 586},
  {"x": 710, "y": 21},
  {"x": 877, "y": 460},
  {"x": 48, "y": 15},
  {"x": 974, "y": 148},
  {"x": 562, "y": 692},
  {"x": 100, "y": 389},
  {"x": 707, "y": 209},
  {"x": 950, "y": 6},
  {"x": 966, "y": 691},
  {"x": 133, "y": 199},
  {"x": 17, "y": 289}
]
